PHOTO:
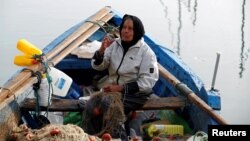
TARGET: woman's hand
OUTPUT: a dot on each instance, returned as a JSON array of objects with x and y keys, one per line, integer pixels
[
  {"x": 113, "y": 88},
  {"x": 106, "y": 42}
]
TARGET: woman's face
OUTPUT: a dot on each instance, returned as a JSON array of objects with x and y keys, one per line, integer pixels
[{"x": 127, "y": 32}]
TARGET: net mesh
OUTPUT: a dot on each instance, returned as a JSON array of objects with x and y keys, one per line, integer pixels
[{"x": 104, "y": 114}]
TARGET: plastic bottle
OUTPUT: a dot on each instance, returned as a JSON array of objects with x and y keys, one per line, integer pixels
[
  {"x": 28, "y": 48},
  {"x": 154, "y": 130},
  {"x": 24, "y": 60},
  {"x": 60, "y": 81},
  {"x": 44, "y": 92}
]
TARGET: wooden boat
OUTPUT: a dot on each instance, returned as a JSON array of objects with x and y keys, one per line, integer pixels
[{"x": 176, "y": 78}]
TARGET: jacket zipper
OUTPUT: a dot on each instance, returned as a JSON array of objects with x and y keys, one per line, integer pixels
[{"x": 117, "y": 80}]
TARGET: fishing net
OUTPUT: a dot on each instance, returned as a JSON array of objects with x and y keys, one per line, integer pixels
[
  {"x": 104, "y": 114},
  {"x": 51, "y": 132}
]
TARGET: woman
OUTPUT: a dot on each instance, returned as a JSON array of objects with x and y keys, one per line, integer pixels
[{"x": 131, "y": 64}]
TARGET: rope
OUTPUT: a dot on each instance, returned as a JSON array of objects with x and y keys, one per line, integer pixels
[
  {"x": 96, "y": 23},
  {"x": 36, "y": 87},
  {"x": 10, "y": 92},
  {"x": 107, "y": 29},
  {"x": 45, "y": 69},
  {"x": 49, "y": 79}
]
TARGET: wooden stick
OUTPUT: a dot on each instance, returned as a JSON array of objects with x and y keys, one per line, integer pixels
[
  {"x": 14, "y": 94},
  {"x": 80, "y": 40},
  {"x": 15, "y": 82},
  {"x": 192, "y": 96},
  {"x": 98, "y": 16}
]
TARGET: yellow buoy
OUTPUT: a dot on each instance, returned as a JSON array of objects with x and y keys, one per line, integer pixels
[
  {"x": 28, "y": 48},
  {"x": 24, "y": 60}
]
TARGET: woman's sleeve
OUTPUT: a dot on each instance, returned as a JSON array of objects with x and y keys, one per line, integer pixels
[
  {"x": 148, "y": 72},
  {"x": 101, "y": 62},
  {"x": 97, "y": 58}
]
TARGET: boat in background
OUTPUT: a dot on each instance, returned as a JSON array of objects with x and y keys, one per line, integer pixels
[{"x": 176, "y": 78}]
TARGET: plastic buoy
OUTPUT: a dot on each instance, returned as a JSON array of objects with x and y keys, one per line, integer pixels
[
  {"x": 24, "y": 60},
  {"x": 28, "y": 48}
]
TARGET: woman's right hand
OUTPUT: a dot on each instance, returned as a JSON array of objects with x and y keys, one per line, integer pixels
[{"x": 106, "y": 42}]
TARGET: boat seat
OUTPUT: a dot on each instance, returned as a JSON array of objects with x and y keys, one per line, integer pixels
[{"x": 71, "y": 105}]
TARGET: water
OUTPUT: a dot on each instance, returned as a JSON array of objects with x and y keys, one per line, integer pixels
[{"x": 195, "y": 29}]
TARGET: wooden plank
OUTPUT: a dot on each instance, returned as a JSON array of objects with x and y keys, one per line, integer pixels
[
  {"x": 98, "y": 16},
  {"x": 63, "y": 105},
  {"x": 14, "y": 94},
  {"x": 192, "y": 96},
  {"x": 15, "y": 82},
  {"x": 80, "y": 40},
  {"x": 79, "y": 105},
  {"x": 164, "y": 103}
]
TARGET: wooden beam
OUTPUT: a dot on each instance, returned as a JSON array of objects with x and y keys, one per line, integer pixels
[
  {"x": 80, "y": 40},
  {"x": 65, "y": 105},
  {"x": 14, "y": 94},
  {"x": 86, "y": 26},
  {"x": 164, "y": 103},
  {"x": 192, "y": 96},
  {"x": 15, "y": 82}
]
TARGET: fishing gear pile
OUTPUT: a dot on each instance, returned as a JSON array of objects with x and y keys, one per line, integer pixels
[
  {"x": 104, "y": 114},
  {"x": 51, "y": 132}
]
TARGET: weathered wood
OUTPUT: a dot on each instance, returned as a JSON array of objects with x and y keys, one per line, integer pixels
[
  {"x": 79, "y": 105},
  {"x": 86, "y": 26},
  {"x": 14, "y": 83},
  {"x": 164, "y": 103},
  {"x": 192, "y": 96},
  {"x": 63, "y": 105},
  {"x": 80, "y": 40},
  {"x": 14, "y": 94}
]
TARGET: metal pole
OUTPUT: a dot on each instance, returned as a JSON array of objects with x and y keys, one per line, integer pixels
[{"x": 215, "y": 70}]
